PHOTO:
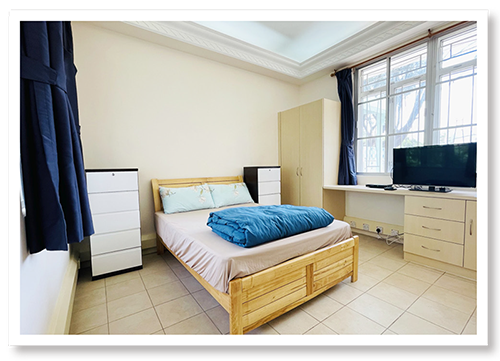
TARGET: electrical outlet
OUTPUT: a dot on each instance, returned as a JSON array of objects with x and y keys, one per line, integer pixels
[
  {"x": 353, "y": 224},
  {"x": 394, "y": 232},
  {"x": 366, "y": 227},
  {"x": 379, "y": 230}
]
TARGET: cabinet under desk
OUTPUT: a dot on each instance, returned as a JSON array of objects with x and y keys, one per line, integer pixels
[{"x": 439, "y": 228}]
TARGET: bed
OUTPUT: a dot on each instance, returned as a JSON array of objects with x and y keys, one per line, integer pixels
[{"x": 254, "y": 285}]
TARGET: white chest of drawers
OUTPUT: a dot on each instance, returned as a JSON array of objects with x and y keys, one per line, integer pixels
[
  {"x": 264, "y": 184},
  {"x": 115, "y": 247},
  {"x": 441, "y": 229}
]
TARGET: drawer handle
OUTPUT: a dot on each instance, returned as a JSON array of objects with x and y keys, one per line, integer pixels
[
  {"x": 432, "y": 229},
  {"x": 430, "y": 249},
  {"x": 436, "y": 208}
]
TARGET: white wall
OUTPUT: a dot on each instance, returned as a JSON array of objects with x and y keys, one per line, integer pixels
[
  {"x": 171, "y": 114},
  {"x": 41, "y": 275}
]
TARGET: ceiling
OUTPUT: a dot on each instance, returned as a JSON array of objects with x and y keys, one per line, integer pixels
[{"x": 293, "y": 51}]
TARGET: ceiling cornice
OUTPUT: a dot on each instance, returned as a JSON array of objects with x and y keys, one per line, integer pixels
[{"x": 202, "y": 41}]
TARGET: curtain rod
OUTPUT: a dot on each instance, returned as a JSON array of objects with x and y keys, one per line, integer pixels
[{"x": 429, "y": 34}]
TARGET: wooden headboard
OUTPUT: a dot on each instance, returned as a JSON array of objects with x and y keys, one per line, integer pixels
[{"x": 187, "y": 182}]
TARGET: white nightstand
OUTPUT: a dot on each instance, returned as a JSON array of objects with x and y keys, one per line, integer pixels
[{"x": 115, "y": 247}]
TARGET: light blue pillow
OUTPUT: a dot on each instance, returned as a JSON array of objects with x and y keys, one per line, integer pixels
[
  {"x": 229, "y": 194},
  {"x": 186, "y": 199}
]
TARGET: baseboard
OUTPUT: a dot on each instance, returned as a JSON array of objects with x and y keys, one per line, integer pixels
[{"x": 61, "y": 317}]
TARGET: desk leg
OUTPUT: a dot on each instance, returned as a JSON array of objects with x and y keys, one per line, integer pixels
[{"x": 334, "y": 202}]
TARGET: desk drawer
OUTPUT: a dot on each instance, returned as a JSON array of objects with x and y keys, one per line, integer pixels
[
  {"x": 98, "y": 182},
  {"x": 268, "y": 174},
  {"x": 434, "y": 249},
  {"x": 113, "y": 222},
  {"x": 450, "y": 209},
  {"x": 116, "y": 261},
  {"x": 269, "y": 188},
  {"x": 111, "y": 242},
  {"x": 435, "y": 228},
  {"x": 113, "y": 202}
]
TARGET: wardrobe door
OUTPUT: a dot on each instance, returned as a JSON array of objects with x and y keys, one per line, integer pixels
[
  {"x": 289, "y": 123},
  {"x": 311, "y": 154}
]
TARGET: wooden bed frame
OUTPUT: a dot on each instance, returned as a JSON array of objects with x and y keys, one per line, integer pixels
[{"x": 258, "y": 298}]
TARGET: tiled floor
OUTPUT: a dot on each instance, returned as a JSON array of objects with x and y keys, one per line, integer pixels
[{"x": 391, "y": 296}]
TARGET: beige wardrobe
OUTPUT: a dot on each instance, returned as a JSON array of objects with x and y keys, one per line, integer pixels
[{"x": 309, "y": 148}]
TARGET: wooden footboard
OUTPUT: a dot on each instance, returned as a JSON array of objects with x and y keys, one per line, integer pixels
[{"x": 258, "y": 298}]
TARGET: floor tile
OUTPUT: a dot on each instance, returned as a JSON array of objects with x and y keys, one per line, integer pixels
[
  {"x": 167, "y": 292},
  {"x": 101, "y": 330},
  {"x": 155, "y": 279},
  {"x": 421, "y": 273},
  {"x": 375, "y": 309},
  {"x": 348, "y": 322},
  {"x": 123, "y": 289},
  {"x": 196, "y": 325},
  {"x": 142, "y": 323},
  {"x": 409, "y": 324},
  {"x": 364, "y": 282},
  {"x": 439, "y": 314},
  {"x": 113, "y": 280},
  {"x": 406, "y": 283},
  {"x": 451, "y": 299},
  {"x": 320, "y": 329},
  {"x": 191, "y": 284},
  {"x": 458, "y": 284},
  {"x": 343, "y": 293},
  {"x": 140, "y": 302},
  {"x": 126, "y": 306},
  {"x": 393, "y": 295},
  {"x": 374, "y": 271},
  {"x": 90, "y": 298},
  {"x": 220, "y": 318},
  {"x": 294, "y": 322},
  {"x": 387, "y": 262},
  {"x": 205, "y": 299},
  {"x": 265, "y": 329},
  {"x": 177, "y": 310},
  {"x": 88, "y": 319},
  {"x": 321, "y": 307}
]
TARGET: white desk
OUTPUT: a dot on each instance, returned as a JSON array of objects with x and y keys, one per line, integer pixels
[{"x": 440, "y": 228}]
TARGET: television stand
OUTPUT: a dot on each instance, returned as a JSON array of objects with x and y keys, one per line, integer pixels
[{"x": 431, "y": 189}]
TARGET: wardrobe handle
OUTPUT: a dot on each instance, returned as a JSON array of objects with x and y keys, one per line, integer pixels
[
  {"x": 470, "y": 227},
  {"x": 431, "y": 229},
  {"x": 430, "y": 249},
  {"x": 297, "y": 171},
  {"x": 301, "y": 171}
]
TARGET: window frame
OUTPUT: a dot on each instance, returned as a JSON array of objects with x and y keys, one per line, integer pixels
[{"x": 431, "y": 81}]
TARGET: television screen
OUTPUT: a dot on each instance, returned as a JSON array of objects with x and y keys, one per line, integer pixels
[{"x": 452, "y": 165}]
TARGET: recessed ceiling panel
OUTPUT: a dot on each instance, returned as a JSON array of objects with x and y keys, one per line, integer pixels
[{"x": 296, "y": 40}]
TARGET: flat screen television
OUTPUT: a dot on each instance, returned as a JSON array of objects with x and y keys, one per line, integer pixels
[{"x": 440, "y": 166}]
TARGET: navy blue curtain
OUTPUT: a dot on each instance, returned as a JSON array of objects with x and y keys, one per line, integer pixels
[
  {"x": 54, "y": 183},
  {"x": 347, "y": 165}
]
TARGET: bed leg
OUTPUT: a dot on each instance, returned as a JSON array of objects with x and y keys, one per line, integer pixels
[
  {"x": 160, "y": 248},
  {"x": 355, "y": 259},
  {"x": 235, "y": 315}
]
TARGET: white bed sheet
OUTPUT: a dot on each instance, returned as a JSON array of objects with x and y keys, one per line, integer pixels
[{"x": 219, "y": 261}]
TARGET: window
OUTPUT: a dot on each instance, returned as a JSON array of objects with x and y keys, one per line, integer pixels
[{"x": 424, "y": 95}]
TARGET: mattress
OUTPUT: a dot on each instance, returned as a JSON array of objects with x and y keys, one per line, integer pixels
[{"x": 218, "y": 261}]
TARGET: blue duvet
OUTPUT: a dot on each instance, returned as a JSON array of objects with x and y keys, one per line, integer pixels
[{"x": 252, "y": 226}]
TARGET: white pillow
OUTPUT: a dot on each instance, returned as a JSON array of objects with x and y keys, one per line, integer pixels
[
  {"x": 230, "y": 194},
  {"x": 186, "y": 199}
]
